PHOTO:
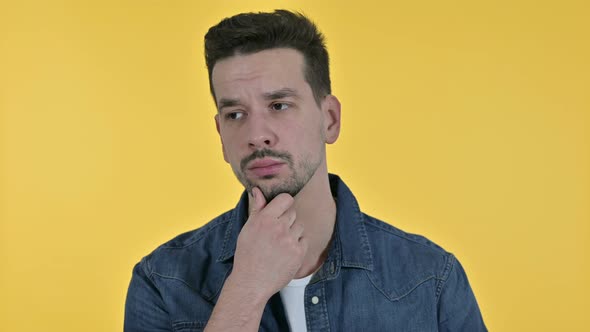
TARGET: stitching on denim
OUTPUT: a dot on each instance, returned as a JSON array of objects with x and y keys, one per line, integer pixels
[
  {"x": 182, "y": 281},
  {"x": 324, "y": 311},
  {"x": 179, "y": 326},
  {"x": 208, "y": 298},
  {"x": 146, "y": 267},
  {"x": 450, "y": 263},
  {"x": 376, "y": 286},
  {"x": 337, "y": 258},
  {"x": 391, "y": 298},
  {"x": 354, "y": 265},
  {"x": 429, "y": 244},
  {"x": 448, "y": 268},
  {"x": 363, "y": 234},
  {"x": 202, "y": 232},
  {"x": 334, "y": 257},
  {"x": 228, "y": 232},
  {"x": 196, "y": 323},
  {"x": 235, "y": 222},
  {"x": 325, "y": 307}
]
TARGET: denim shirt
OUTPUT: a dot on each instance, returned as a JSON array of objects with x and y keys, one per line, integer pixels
[{"x": 375, "y": 278}]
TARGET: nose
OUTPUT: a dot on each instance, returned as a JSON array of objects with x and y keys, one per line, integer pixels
[{"x": 260, "y": 132}]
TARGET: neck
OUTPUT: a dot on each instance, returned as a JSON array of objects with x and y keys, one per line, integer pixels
[{"x": 316, "y": 210}]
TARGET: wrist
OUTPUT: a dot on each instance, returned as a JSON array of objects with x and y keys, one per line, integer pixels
[{"x": 247, "y": 291}]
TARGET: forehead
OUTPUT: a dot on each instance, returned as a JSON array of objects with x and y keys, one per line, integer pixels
[{"x": 262, "y": 71}]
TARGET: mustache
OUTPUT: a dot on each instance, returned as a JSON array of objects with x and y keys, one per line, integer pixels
[{"x": 259, "y": 154}]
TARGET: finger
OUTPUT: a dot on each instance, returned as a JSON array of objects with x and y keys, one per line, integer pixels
[
  {"x": 289, "y": 217},
  {"x": 297, "y": 230},
  {"x": 259, "y": 200},
  {"x": 279, "y": 205}
]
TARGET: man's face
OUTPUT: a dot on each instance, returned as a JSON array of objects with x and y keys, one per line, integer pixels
[{"x": 272, "y": 131}]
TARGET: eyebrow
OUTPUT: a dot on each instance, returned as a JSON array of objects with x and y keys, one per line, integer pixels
[
  {"x": 227, "y": 102},
  {"x": 277, "y": 94},
  {"x": 280, "y": 93}
]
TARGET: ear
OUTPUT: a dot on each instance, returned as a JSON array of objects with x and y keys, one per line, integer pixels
[
  {"x": 219, "y": 132},
  {"x": 331, "y": 114}
]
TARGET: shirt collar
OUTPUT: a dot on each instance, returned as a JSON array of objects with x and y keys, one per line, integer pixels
[
  {"x": 350, "y": 240},
  {"x": 238, "y": 218},
  {"x": 350, "y": 233}
]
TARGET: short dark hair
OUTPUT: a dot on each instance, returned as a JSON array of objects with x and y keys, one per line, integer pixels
[{"x": 253, "y": 32}]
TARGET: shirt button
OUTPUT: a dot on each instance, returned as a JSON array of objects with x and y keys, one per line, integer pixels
[{"x": 315, "y": 300}]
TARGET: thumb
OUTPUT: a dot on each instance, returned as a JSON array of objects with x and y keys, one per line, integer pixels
[{"x": 259, "y": 201}]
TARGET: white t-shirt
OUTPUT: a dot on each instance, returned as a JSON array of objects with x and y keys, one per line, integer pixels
[{"x": 292, "y": 296}]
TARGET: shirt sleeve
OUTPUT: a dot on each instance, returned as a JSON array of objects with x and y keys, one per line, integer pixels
[
  {"x": 144, "y": 308},
  {"x": 457, "y": 307}
]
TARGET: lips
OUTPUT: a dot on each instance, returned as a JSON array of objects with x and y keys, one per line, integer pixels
[{"x": 265, "y": 167}]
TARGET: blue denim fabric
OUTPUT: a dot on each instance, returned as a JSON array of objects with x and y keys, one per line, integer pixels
[{"x": 376, "y": 278}]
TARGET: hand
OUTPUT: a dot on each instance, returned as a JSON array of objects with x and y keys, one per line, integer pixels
[{"x": 270, "y": 247}]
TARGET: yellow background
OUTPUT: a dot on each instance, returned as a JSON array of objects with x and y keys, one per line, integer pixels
[{"x": 465, "y": 121}]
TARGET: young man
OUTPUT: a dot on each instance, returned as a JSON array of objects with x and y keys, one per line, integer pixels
[{"x": 296, "y": 253}]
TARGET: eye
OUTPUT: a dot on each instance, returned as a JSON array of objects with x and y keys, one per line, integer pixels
[
  {"x": 234, "y": 115},
  {"x": 279, "y": 106}
]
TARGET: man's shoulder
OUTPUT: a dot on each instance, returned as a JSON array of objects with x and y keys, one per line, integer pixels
[
  {"x": 400, "y": 238},
  {"x": 402, "y": 260},
  {"x": 213, "y": 229},
  {"x": 178, "y": 257},
  {"x": 193, "y": 259}
]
